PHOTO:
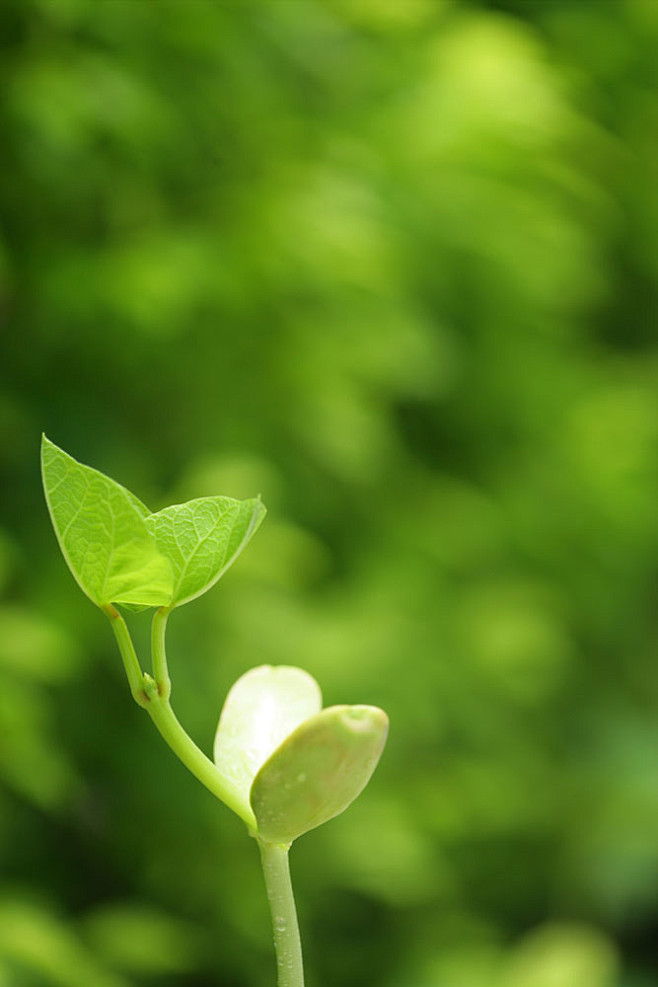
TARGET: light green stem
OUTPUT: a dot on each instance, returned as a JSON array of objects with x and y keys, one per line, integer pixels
[
  {"x": 158, "y": 653},
  {"x": 287, "y": 942},
  {"x": 193, "y": 758},
  {"x": 153, "y": 696},
  {"x": 128, "y": 654}
]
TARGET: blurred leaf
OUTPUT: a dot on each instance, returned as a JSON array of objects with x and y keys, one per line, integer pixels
[
  {"x": 31, "y": 760},
  {"x": 44, "y": 944},
  {"x": 383, "y": 850},
  {"x": 35, "y": 647},
  {"x": 477, "y": 966},
  {"x": 564, "y": 956},
  {"x": 7, "y": 559},
  {"x": 142, "y": 940}
]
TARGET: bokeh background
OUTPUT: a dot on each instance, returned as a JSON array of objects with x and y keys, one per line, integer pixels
[{"x": 391, "y": 264}]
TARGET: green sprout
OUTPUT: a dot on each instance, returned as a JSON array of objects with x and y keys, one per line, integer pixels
[{"x": 281, "y": 762}]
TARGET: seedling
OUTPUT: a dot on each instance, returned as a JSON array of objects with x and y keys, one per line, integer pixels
[{"x": 281, "y": 762}]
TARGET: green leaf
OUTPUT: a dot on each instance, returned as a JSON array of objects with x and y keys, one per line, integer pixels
[
  {"x": 264, "y": 706},
  {"x": 102, "y": 533},
  {"x": 317, "y": 771},
  {"x": 202, "y": 538}
]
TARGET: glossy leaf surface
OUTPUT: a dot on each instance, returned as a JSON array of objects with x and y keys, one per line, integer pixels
[{"x": 317, "y": 771}]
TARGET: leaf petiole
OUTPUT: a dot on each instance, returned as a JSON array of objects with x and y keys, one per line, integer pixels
[
  {"x": 158, "y": 651},
  {"x": 128, "y": 655}
]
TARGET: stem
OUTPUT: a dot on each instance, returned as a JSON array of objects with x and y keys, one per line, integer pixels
[
  {"x": 128, "y": 654},
  {"x": 287, "y": 943},
  {"x": 160, "y": 669},
  {"x": 153, "y": 696},
  {"x": 193, "y": 757}
]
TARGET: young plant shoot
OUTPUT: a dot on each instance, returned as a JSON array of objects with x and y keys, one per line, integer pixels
[{"x": 281, "y": 762}]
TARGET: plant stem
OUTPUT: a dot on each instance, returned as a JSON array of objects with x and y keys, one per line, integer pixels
[
  {"x": 153, "y": 696},
  {"x": 128, "y": 654},
  {"x": 193, "y": 757},
  {"x": 159, "y": 655},
  {"x": 287, "y": 943}
]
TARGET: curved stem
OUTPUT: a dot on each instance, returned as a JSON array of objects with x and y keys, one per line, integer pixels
[
  {"x": 160, "y": 669},
  {"x": 153, "y": 696},
  {"x": 193, "y": 757},
  {"x": 128, "y": 654},
  {"x": 287, "y": 942}
]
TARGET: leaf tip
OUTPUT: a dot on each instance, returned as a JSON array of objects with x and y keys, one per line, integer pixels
[{"x": 44, "y": 444}]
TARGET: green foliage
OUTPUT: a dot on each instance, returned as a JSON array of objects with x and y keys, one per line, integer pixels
[
  {"x": 101, "y": 532},
  {"x": 304, "y": 777},
  {"x": 121, "y": 553},
  {"x": 560, "y": 956},
  {"x": 394, "y": 266},
  {"x": 201, "y": 539},
  {"x": 119, "y": 932},
  {"x": 40, "y": 948}
]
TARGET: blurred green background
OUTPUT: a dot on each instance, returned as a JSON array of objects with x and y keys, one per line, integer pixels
[{"x": 391, "y": 264}]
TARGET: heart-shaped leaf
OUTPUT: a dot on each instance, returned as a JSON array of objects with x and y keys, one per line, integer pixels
[
  {"x": 317, "y": 771},
  {"x": 264, "y": 706},
  {"x": 202, "y": 538},
  {"x": 102, "y": 533}
]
